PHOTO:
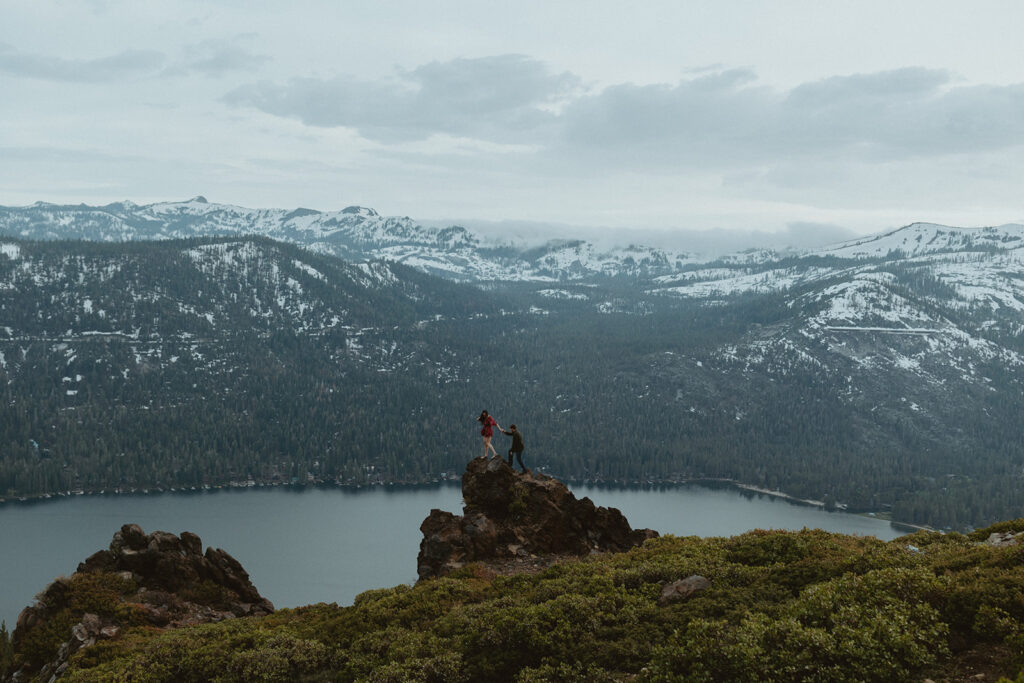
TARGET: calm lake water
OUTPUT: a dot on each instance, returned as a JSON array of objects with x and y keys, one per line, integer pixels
[{"x": 302, "y": 546}]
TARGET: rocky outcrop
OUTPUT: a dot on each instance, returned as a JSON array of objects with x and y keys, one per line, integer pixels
[
  {"x": 512, "y": 518},
  {"x": 683, "y": 589},
  {"x": 1005, "y": 538},
  {"x": 156, "y": 579}
]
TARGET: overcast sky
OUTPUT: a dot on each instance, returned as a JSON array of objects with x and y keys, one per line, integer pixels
[{"x": 809, "y": 119}]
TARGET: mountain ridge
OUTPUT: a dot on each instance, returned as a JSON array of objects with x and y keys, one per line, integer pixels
[
  {"x": 909, "y": 368},
  {"x": 353, "y": 233}
]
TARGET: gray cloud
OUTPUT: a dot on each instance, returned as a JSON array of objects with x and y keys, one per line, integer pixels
[
  {"x": 124, "y": 64},
  {"x": 697, "y": 119},
  {"x": 727, "y": 119},
  {"x": 721, "y": 119},
  {"x": 493, "y": 98},
  {"x": 215, "y": 58},
  {"x": 808, "y": 235},
  {"x": 211, "y": 58}
]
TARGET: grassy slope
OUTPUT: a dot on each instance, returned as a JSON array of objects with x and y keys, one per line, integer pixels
[{"x": 783, "y": 606}]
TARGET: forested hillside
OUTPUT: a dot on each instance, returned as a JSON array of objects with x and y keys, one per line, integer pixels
[{"x": 206, "y": 361}]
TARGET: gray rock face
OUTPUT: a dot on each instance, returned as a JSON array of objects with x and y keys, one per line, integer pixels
[
  {"x": 682, "y": 589},
  {"x": 1005, "y": 538},
  {"x": 156, "y": 579},
  {"x": 510, "y": 517}
]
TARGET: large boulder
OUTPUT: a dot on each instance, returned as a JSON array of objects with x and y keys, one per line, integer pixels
[
  {"x": 510, "y": 517},
  {"x": 157, "y": 580}
]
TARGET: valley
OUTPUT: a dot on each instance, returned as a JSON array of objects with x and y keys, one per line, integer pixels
[{"x": 167, "y": 346}]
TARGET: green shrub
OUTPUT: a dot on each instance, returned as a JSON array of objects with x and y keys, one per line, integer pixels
[
  {"x": 1014, "y": 526},
  {"x": 6, "y": 650},
  {"x": 208, "y": 593},
  {"x": 102, "y": 594},
  {"x": 874, "y": 627},
  {"x": 782, "y": 606}
]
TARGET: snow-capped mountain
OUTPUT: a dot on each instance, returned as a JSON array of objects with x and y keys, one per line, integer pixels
[
  {"x": 911, "y": 321},
  {"x": 862, "y": 371},
  {"x": 919, "y": 239},
  {"x": 354, "y": 234}
]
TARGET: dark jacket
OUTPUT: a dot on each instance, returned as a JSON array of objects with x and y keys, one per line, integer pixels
[{"x": 517, "y": 440}]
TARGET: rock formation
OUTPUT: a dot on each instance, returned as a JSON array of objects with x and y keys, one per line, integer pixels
[
  {"x": 513, "y": 519},
  {"x": 1005, "y": 538},
  {"x": 683, "y": 589},
  {"x": 158, "y": 579}
]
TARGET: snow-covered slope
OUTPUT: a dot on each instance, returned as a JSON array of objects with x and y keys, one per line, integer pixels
[
  {"x": 903, "y": 358},
  {"x": 936, "y": 304},
  {"x": 980, "y": 267},
  {"x": 919, "y": 239},
  {"x": 354, "y": 233},
  {"x": 926, "y": 299}
]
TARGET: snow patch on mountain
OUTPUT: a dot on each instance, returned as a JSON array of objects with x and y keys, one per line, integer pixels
[
  {"x": 354, "y": 234},
  {"x": 562, "y": 294},
  {"x": 927, "y": 238},
  {"x": 308, "y": 269}
]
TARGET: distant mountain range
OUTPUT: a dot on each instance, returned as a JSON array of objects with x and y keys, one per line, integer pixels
[
  {"x": 354, "y": 234},
  {"x": 884, "y": 371},
  {"x": 927, "y": 300}
]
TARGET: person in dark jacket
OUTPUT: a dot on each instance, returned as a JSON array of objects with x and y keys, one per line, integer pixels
[{"x": 517, "y": 445}]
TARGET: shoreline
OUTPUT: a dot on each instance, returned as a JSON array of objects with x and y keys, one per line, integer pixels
[
  {"x": 446, "y": 480},
  {"x": 217, "y": 488}
]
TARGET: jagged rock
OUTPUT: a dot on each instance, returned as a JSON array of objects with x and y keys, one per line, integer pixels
[
  {"x": 682, "y": 589},
  {"x": 157, "y": 579},
  {"x": 1005, "y": 538},
  {"x": 511, "y": 517}
]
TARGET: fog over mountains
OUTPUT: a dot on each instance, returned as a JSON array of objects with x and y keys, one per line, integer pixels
[{"x": 885, "y": 371}]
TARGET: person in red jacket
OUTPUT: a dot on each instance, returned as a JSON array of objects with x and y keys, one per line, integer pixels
[{"x": 487, "y": 431}]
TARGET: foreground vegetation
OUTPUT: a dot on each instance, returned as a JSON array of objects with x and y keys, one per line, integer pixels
[{"x": 782, "y": 606}]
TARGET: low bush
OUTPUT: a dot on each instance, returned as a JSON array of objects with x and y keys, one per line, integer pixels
[{"x": 784, "y": 606}]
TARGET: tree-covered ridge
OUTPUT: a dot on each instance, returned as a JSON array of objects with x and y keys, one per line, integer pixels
[
  {"x": 780, "y": 606},
  {"x": 201, "y": 362}
]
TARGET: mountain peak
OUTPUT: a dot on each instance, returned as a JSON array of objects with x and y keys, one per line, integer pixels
[{"x": 360, "y": 210}]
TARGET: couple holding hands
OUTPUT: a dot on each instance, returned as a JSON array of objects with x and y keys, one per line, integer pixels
[{"x": 487, "y": 431}]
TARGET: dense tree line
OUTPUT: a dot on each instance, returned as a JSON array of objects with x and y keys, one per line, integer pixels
[{"x": 266, "y": 388}]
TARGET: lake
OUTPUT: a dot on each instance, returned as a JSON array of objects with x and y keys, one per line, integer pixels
[{"x": 307, "y": 545}]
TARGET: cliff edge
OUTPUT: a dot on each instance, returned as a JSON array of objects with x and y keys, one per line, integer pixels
[{"x": 513, "y": 520}]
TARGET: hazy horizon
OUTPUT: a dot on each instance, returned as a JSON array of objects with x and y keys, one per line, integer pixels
[
  {"x": 711, "y": 242},
  {"x": 704, "y": 118}
]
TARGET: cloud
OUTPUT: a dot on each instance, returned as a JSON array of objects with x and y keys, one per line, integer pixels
[
  {"x": 808, "y": 235},
  {"x": 502, "y": 98},
  {"x": 728, "y": 119},
  {"x": 697, "y": 119},
  {"x": 124, "y": 64},
  {"x": 215, "y": 59},
  {"x": 211, "y": 58},
  {"x": 722, "y": 119}
]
